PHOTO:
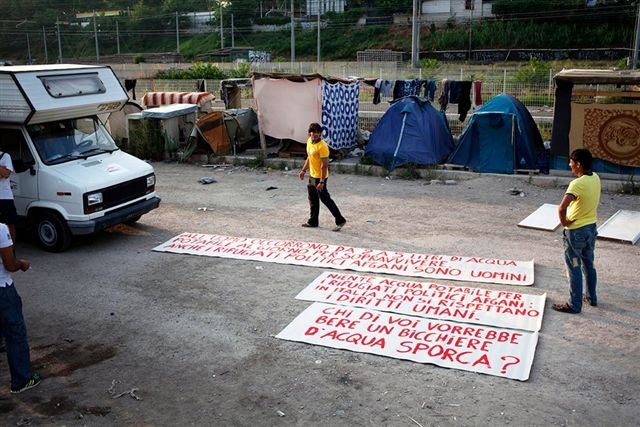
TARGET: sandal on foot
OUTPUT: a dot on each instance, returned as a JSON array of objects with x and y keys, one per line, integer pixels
[
  {"x": 564, "y": 308},
  {"x": 338, "y": 227}
]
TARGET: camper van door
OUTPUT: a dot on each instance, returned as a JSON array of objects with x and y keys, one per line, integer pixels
[{"x": 24, "y": 179}]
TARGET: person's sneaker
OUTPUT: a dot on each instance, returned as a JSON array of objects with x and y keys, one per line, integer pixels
[
  {"x": 564, "y": 308},
  {"x": 33, "y": 381},
  {"x": 307, "y": 225},
  {"x": 587, "y": 300},
  {"x": 338, "y": 227}
]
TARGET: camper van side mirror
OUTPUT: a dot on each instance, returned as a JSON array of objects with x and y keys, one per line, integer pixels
[{"x": 21, "y": 165}]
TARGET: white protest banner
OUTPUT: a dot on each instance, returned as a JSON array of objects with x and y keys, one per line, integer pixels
[
  {"x": 501, "y": 308},
  {"x": 484, "y": 349},
  {"x": 473, "y": 269}
]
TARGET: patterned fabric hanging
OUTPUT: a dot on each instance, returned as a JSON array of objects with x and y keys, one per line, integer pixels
[{"x": 340, "y": 105}]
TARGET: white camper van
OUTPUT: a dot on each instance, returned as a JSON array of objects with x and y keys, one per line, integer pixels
[{"x": 70, "y": 177}]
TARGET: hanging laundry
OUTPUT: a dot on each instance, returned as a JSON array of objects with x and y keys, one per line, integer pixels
[
  {"x": 340, "y": 108},
  {"x": 443, "y": 99},
  {"x": 386, "y": 88},
  {"x": 404, "y": 88},
  {"x": 430, "y": 89},
  {"x": 454, "y": 91},
  {"x": 376, "y": 91},
  {"x": 477, "y": 92},
  {"x": 382, "y": 88},
  {"x": 463, "y": 99}
]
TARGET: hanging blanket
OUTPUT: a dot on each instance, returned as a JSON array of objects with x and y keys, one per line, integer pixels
[
  {"x": 340, "y": 107},
  {"x": 285, "y": 108}
]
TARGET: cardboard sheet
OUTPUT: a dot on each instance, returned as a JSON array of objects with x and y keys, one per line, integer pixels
[
  {"x": 543, "y": 218},
  {"x": 623, "y": 225}
]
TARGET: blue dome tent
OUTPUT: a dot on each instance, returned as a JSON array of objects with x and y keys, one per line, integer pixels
[
  {"x": 501, "y": 137},
  {"x": 410, "y": 131}
]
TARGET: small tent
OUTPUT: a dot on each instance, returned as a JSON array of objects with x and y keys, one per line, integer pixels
[
  {"x": 501, "y": 137},
  {"x": 410, "y": 131}
]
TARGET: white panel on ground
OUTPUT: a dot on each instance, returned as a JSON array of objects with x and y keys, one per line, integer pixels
[
  {"x": 543, "y": 218},
  {"x": 623, "y": 225}
]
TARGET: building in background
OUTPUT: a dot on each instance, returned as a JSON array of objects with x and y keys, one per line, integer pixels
[
  {"x": 325, "y": 6},
  {"x": 443, "y": 10}
]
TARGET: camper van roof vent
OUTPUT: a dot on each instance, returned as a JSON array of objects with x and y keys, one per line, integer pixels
[{"x": 61, "y": 86}]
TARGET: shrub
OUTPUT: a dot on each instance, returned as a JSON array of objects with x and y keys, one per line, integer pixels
[
  {"x": 199, "y": 70},
  {"x": 536, "y": 71},
  {"x": 243, "y": 70}
]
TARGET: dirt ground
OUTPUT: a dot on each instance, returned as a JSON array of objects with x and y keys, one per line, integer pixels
[{"x": 125, "y": 336}]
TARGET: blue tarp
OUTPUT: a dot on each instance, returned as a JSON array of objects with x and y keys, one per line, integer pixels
[
  {"x": 501, "y": 136},
  {"x": 411, "y": 131}
]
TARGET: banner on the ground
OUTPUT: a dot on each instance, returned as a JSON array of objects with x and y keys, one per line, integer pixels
[
  {"x": 451, "y": 267},
  {"x": 502, "y": 308},
  {"x": 477, "y": 348}
]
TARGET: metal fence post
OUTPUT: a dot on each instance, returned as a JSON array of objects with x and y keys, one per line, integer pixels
[{"x": 504, "y": 81}]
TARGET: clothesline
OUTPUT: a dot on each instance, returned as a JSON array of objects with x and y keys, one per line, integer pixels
[{"x": 450, "y": 91}]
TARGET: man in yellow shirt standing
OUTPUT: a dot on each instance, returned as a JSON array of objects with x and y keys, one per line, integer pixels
[
  {"x": 578, "y": 212},
  {"x": 318, "y": 165}
]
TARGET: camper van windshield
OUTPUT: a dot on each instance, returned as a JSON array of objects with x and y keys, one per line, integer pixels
[{"x": 66, "y": 140}]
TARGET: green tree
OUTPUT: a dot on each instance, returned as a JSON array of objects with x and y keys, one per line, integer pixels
[
  {"x": 145, "y": 14},
  {"x": 244, "y": 12},
  {"x": 183, "y": 6}
]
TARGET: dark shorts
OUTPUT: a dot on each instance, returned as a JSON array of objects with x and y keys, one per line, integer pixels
[{"x": 8, "y": 214}]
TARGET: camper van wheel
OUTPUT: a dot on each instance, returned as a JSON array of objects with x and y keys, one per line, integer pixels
[{"x": 52, "y": 233}]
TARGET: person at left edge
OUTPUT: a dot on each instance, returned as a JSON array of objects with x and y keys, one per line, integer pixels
[
  {"x": 8, "y": 213},
  {"x": 12, "y": 323}
]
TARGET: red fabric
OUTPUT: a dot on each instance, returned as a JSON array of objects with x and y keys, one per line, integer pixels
[{"x": 477, "y": 92}]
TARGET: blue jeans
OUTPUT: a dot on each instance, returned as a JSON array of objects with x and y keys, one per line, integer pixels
[
  {"x": 14, "y": 333},
  {"x": 579, "y": 248}
]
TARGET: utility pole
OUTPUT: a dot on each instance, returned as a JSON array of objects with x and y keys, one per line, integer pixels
[
  {"x": 415, "y": 38},
  {"x": 318, "y": 66},
  {"x": 44, "y": 42},
  {"x": 177, "y": 33},
  {"x": 29, "y": 49},
  {"x": 95, "y": 33},
  {"x": 118, "y": 37},
  {"x": 636, "y": 45},
  {"x": 293, "y": 38},
  {"x": 221, "y": 29},
  {"x": 59, "y": 43},
  {"x": 470, "y": 27}
]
